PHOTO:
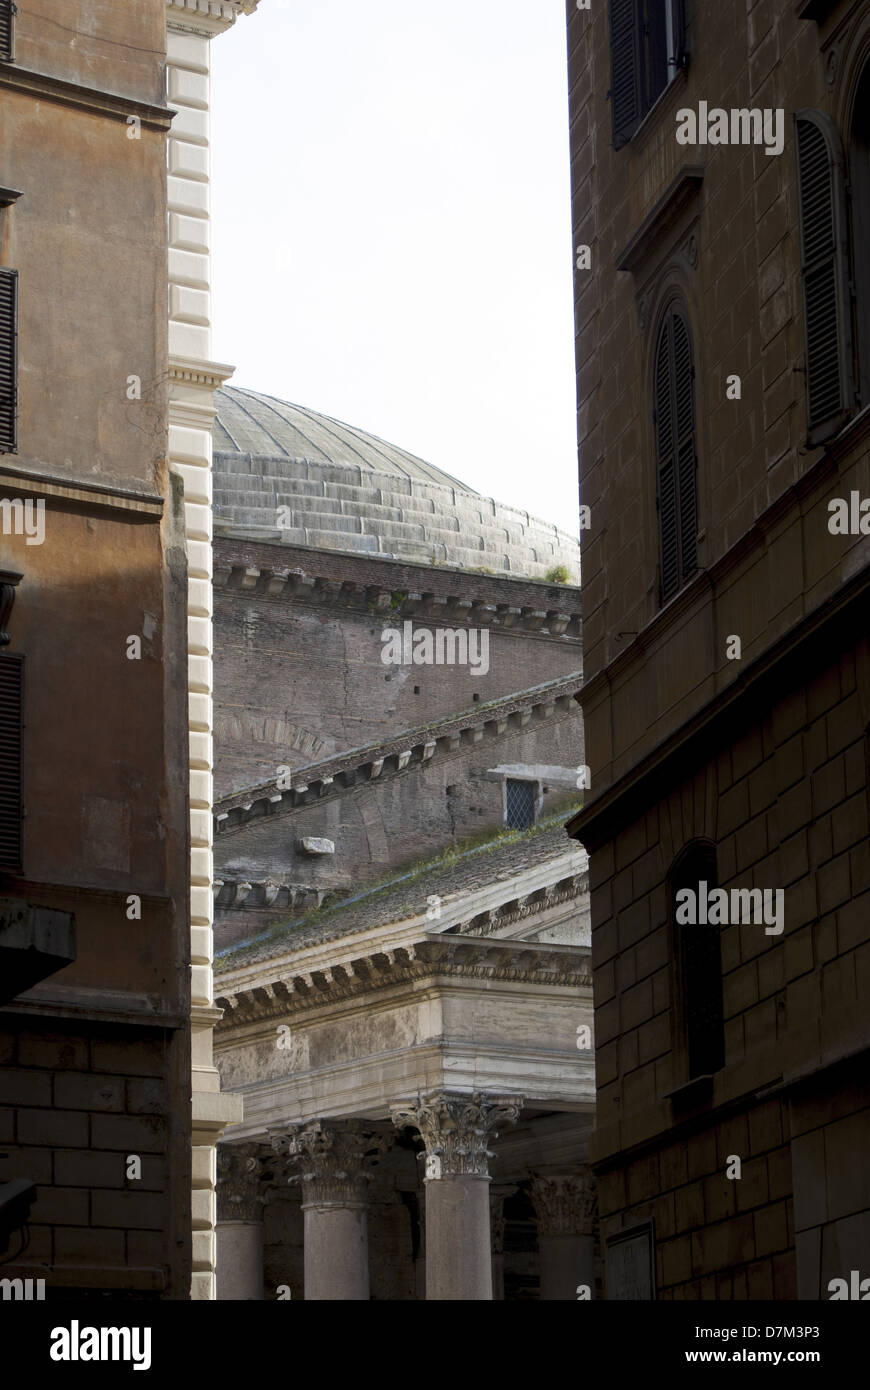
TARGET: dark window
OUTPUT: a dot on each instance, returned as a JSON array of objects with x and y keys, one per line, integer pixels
[
  {"x": 676, "y": 454},
  {"x": 647, "y": 47},
  {"x": 11, "y": 704},
  {"x": 859, "y": 178},
  {"x": 8, "y": 360},
  {"x": 824, "y": 274},
  {"x": 699, "y": 967},
  {"x": 7, "y": 11},
  {"x": 520, "y": 799}
]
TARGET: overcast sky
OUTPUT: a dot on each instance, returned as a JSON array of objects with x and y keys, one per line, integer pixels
[{"x": 392, "y": 236}]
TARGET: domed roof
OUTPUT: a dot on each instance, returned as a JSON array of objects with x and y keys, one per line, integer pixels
[
  {"x": 250, "y": 423},
  {"x": 284, "y": 473}
]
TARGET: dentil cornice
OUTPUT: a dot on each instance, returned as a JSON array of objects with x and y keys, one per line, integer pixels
[{"x": 206, "y": 17}]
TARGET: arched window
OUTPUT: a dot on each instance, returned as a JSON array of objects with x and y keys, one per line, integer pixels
[
  {"x": 825, "y": 275},
  {"x": 698, "y": 962},
  {"x": 674, "y": 419},
  {"x": 859, "y": 178}
]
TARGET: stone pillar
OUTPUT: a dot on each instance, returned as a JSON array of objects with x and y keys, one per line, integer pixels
[
  {"x": 240, "y": 1199},
  {"x": 193, "y": 380},
  {"x": 455, "y": 1129},
  {"x": 331, "y": 1159},
  {"x": 565, "y": 1207}
]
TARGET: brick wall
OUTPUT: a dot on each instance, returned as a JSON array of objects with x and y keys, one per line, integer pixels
[{"x": 75, "y": 1104}]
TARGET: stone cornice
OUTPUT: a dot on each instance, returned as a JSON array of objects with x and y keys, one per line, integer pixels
[
  {"x": 191, "y": 371},
  {"x": 41, "y": 85},
  {"x": 206, "y": 17},
  {"x": 336, "y": 775},
  {"x": 148, "y": 505},
  {"x": 645, "y": 241},
  {"x": 280, "y": 582},
  {"x": 439, "y": 957}
]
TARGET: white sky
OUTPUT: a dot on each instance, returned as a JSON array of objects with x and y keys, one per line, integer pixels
[{"x": 391, "y": 229}]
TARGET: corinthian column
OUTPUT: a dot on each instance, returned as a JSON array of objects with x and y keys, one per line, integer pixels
[
  {"x": 565, "y": 1207},
  {"x": 331, "y": 1160},
  {"x": 240, "y": 1200},
  {"x": 456, "y": 1130}
]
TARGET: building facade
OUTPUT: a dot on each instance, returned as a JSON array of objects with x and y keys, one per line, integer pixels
[
  {"x": 94, "y": 922},
  {"x": 400, "y": 918},
  {"x": 721, "y": 189}
]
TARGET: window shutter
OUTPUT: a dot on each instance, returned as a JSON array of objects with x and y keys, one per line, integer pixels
[
  {"x": 825, "y": 274},
  {"x": 8, "y": 360},
  {"x": 7, "y": 10},
  {"x": 674, "y": 418},
  {"x": 626, "y": 32},
  {"x": 11, "y": 712}
]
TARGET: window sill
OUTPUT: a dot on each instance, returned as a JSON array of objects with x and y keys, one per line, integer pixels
[{"x": 649, "y": 120}]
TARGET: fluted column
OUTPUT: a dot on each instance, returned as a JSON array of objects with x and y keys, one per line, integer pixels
[
  {"x": 565, "y": 1205},
  {"x": 332, "y": 1159},
  {"x": 456, "y": 1130},
  {"x": 240, "y": 1199}
]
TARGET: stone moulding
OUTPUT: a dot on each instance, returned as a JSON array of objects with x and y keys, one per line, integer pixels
[
  {"x": 455, "y": 957},
  {"x": 333, "y": 776},
  {"x": 252, "y": 581}
]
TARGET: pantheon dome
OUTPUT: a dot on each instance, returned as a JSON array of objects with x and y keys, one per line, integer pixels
[{"x": 285, "y": 473}]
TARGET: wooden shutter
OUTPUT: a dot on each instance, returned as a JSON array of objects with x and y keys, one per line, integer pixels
[
  {"x": 11, "y": 713},
  {"x": 8, "y": 360},
  {"x": 7, "y": 10},
  {"x": 674, "y": 418},
  {"x": 825, "y": 274},
  {"x": 626, "y": 72}
]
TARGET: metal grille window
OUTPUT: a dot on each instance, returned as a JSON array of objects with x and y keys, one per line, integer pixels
[
  {"x": 825, "y": 274},
  {"x": 11, "y": 712},
  {"x": 699, "y": 958},
  {"x": 674, "y": 420},
  {"x": 8, "y": 360},
  {"x": 647, "y": 47},
  {"x": 521, "y": 799},
  {"x": 7, "y": 13}
]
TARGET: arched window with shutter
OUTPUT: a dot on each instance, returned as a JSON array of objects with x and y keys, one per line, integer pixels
[
  {"x": 676, "y": 452},
  {"x": 825, "y": 275}
]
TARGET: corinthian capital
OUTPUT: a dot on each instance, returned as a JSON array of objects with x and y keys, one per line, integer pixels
[
  {"x": 456, "y": 1129},
  {"x": 332, "y": 1160},
  {"x": 565, "y": 1204},
  {"x": 240, "y": 1193}
]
